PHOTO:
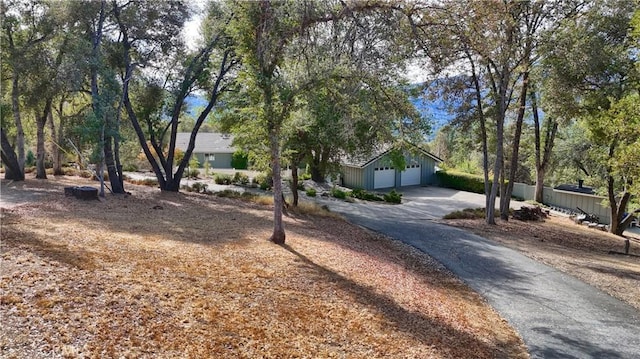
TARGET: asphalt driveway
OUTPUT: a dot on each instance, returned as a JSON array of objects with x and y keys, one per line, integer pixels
[{"x": 557, "y": 315}]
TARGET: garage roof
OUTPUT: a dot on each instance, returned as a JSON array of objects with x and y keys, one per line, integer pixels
[
  {"x": 206, "y": 142},
  {"x": 361, "y": 161}
]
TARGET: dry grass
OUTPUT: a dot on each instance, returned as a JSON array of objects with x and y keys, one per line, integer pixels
[
  {"x": 571, "y": 248},
  {"x": 192, "y": 276}
]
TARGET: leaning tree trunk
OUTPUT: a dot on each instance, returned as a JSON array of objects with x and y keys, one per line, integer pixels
[{"x": 12, "y": 167}]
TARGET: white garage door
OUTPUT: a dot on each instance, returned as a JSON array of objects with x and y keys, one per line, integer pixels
[
  {"x": 410, "y": 176},
  {"x": 384, "y": 177}
]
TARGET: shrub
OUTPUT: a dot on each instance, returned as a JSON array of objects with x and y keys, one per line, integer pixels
[
  {"x": 194, "y": 173},
  {"x": 222, "y": 179},
  {"x": 461, "y": 181},
  {"x": 337, "y": 193},
  {"x": 240, "y": 178},
  {"x": 263, "y": 180},
  {"x": 85, "y": 174},
  {"x": 130, "y": 167},
  {"x": 30, "y": 160},
  {"x": 364, "y": 195},
  {"x": 467, "y": 213},
  {"x": 239, "y": 160},
  {"x": 393, "y": 197},
  {"x": 199, "y": 187},
  {"x": 311, "y": 192}
]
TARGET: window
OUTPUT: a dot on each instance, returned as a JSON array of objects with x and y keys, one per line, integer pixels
[{"x": 209, "y": 157}]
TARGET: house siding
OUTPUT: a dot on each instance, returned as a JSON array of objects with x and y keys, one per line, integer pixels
[
  {"x": 222, "y": 160},
  {"x": 356, "y": 177},
  {"x": 353, "y": 177}
]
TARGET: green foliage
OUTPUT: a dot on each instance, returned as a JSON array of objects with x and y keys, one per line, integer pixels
[
  {"x": 263, "y": 180},
  {"x": 130, "y": 167},
  {"x": 338, "y": 193},
  {"x": 193, "y": 162},
  {"x": 207, "y": 168},
  {"x": 393, "y": 197},
  {"x": 461, "y": 181},
  {"x": 194, "y": 173},
  {"x": 197, "y": 187},
  {"x": 467, "y": 213},
  {"x": 30, "y": 160},
  {"x": 222, "y": 179},
  {"x": 311, "y": 192},
  {"x": 240, "y": 160},
  {"x": 240, "y": 178},
  {"x": 365, "y": 195}
]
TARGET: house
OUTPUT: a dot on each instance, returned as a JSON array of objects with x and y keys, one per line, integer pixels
[
  {"x": 377, "y": 171},
  {"x": 215, "y": 148}
]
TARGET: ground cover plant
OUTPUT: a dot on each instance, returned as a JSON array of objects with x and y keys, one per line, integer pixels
[{"x": 187, "y": 275}]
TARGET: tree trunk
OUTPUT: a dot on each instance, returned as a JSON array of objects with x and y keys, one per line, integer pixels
[
  {"x": 15, "y": 107},
  {"x": 54, "y": 150},
  {"x": 543, "y": 154},
  {"x": 114, "y": 176},
  {"x": 41, "y": 171},
  {"x": 483, "y": 135},
  {"x": 506, "y": 200},
  {"x": 539, "y": 190},
  {"x": 12, "y": 167},
  {"x": 278, "y": 235},
  {"x": 294, "y": 181}
]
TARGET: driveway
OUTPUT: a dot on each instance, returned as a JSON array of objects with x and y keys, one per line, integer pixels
[{"x": 557, "y": 315}]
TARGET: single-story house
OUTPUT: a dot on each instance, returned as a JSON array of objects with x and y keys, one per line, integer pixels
[
  {"x": 377, "y": 171},
  {"x": 213, "y": 147}
]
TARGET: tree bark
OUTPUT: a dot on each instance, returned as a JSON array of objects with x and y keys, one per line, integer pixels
[
  {"x": 41, "y": 171},
  {"x": 294, "y": 181},
  {"x": 15, "y": 107},
  {"x": 506, "y": 200},
  {"x": 12, "y": 167},
  {"x": 109, "y": 160},
  {"x": 54, "y": 150},
  {"x": 278, "y": 235},
  {"x": 543, "y": 155}
]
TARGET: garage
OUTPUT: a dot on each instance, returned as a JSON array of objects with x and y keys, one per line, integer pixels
[
  {"x": 410, "y": 176},
  {"x": 376, "y": 171},
  {"x": 384, "y": 177}
]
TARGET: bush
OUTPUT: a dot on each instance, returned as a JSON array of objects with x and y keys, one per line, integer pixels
[
  {"x": 30, "y": 161},
  {"x": 310, "y": 192},
  {"x": 263, "y": 180},
  {"x": 461, "y": 181},
  {"x": 199, "y": 187},
  {"x": 222, "y": 179},
  {"x": 239, "y": 160},
  {"x": 240, "y": 178},
  {"x": 85, "y": 174},
  {"x": 393, "y": 197},
  {"x": 364, "y": 195},
  {"x": 337, "y": 193},
  {"x": 467, "y": 213},
  {"x": 130, "y": 167},
  {"x": 194, "y": 173}
]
